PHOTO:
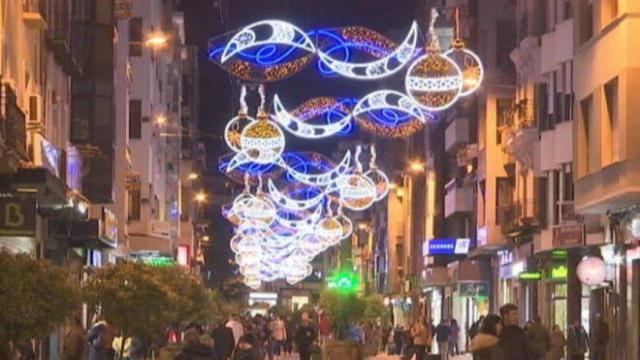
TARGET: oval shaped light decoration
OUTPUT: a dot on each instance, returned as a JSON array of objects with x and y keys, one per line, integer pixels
[{"x": 592, "y": 271}]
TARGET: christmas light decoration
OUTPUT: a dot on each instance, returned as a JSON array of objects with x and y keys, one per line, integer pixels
[
  {"x": 292, "y": 204},
  {"x": 301, "y": 129},
  {"x": 592, "y": 271},
  {"x": 468, "y": 62},
  {"x": 380, "y": 68},
  {"x": 389, "y": 113},
  {"x": 326, "y": 178}
]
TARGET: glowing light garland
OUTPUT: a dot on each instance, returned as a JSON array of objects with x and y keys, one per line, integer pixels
[{"x": 301, "y": 129}]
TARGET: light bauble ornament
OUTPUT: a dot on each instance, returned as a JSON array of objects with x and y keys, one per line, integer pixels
[
  {"x": 381, "y": 182},
  {"x": 434, "y": 81},
  {"x": 357, "y": 192},
  {"x": 330, "y": 230},
  {"x": 592, "y": 271},
  {"x": 262, "y": 141},
  {"x": 470, "y": 65}
]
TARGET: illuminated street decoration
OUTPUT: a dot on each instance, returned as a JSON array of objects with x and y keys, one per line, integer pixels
[
  {"x": 344, "y": 281},
  {"x": 389, "y": 113},
  {"x": 377, "y": 177},
  {"x": 434, "y": 81},
  {"x": 326, "y": 178},
  {"x": 292, "y": 204},
  {"x": 592, "y": 271},
  {"x": 468, "y": 62},
  {"x": 303, "y": 130},
  {"x": 380, "y": 68}
]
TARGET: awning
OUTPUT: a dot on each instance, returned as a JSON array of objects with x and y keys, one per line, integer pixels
[
  {"x": 140, "y": 242},
  {"x": 80, "y": 233}
]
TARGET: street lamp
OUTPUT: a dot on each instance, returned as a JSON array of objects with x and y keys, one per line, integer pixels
[
  {"x": 201, "y": 196},
  {"x": 416, "y": 167},
  {"x": 205, "y": 238},
  {"x": 156, "y": 40},
  {"x": 193, "y": 176},
  {"x": 161, "y": 119}
]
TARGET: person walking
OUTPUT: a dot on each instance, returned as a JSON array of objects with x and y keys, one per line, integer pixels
[
  {"x": 75, "y": 341},
  {"x": 247, "y": 350},
  {"x": 558, "y": 342},
  {"x": 599, "y": 339},
  {"x": 100, "y": 340},
  {"x": 325, "y": 328},
  {"x": 237, "y": 328},
  {"x": 422, "y": 337},
  {"x": 539, "y": 338},
  {"x": 475, "y": 327},
  {"x": 485, "y": 345},
  {"x": 577, "y": 341},
  {"x": 223, "y": 341},
  {"x": 454, "y": 338},
  {"x": 195, "y": 350},
  {"x": 443, "y": 335},
  {"x": 290, "y": 327},
  {"x": 305, "y": 337},
  {"x": 397, "y": 340},
  {"x": 278, "y": 334},
  {"x": 513, "y": 338}
]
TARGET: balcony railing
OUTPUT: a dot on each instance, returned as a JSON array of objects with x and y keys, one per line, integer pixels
[
  {"x": 14, "y": 127},
  {"x": 520, "y": 217}
]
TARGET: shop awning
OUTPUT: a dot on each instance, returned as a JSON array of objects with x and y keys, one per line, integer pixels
[{"x": 80, "y": 233}]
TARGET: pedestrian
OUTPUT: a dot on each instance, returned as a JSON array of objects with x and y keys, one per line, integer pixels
[
  {"x": 577, "y": 341},
  {"x": 193, "y": 349},
  {"x": 485, "y": 345},
  {"x": 475, "y": 327},
  {"x": 278, "y": 334},
  {"x": 305, "y": 337},
  {"x": 539, "y": 338},
  {"x": 75, "y": 341},
  {"x": 454, "y": 338},
  {"x": 599, "y": 339},
  {"x": 236, "y": 327},
  {"x": 325, "y": 328},
  {"x": 246, "y": 349},
  {"x": 385, "y": 339},
  {"x": 443, "y": 333},
  {"x": 397, "y": 340},
  {"x": 513, "y": 338},
  {"x": 100, "y": 339},
  {"x": 291, "y": 330},
  {"x": 421, "y": 336},
  {"x": 558, "y": 342},
  {"x": 223, "y": 341}
]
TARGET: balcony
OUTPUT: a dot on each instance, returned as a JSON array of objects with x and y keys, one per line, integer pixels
[
  {"x": 520, "y": 218},
  {"x": 458, "y": 198},
  {"x": 519, "y": 136},
  {"x": 613, "y": 187},
  {"x": 13, "y": 129},
  {"x": 457, "y": 134},
  {"x": 58, "y": 37},
  {"x": 34, "y": 14}
]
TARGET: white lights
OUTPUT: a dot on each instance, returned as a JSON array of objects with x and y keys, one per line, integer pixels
[
  {"x": 303, "y": 130},
  {"x": 388, "y": 99},
  {"x": 380, "y": 68},
  {"x": 281, "y": 33},
  {"x": 434, "y": 81}
]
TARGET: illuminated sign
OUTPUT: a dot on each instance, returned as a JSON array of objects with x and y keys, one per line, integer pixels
[
  {"x": 17, "y": 216},
  {"x": 517, "y": 268},
  {"x": 558, "y": 272},
  {"x": 183, "y": 255},
  {"x": 446, "y": 246},
  {"x": 109, "y": 230},
  {"x": 530, "y": 275}
]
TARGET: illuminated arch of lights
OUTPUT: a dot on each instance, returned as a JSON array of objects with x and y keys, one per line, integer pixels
[{"x": 279, "y": 228}]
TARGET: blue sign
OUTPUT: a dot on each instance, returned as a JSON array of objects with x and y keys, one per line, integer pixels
[{"x": 446, "y": 246}]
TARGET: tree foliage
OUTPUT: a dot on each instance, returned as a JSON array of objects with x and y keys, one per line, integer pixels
[
  {"x": 35, "y": 296},
  {"x": 345, "y": 308},
  {"x": 132, "y": 297}
]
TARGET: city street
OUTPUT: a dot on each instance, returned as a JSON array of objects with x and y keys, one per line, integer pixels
[{"x": 186, "y": 177}]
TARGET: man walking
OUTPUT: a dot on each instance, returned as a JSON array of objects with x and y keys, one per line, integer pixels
[
  {"x": 513, "y": 339},
  {"x": 600, "y": 338},
  {"x": 577, "y": 341},
  {"x": 539, "y": 338},
  {"x": 443, "y": 333}
]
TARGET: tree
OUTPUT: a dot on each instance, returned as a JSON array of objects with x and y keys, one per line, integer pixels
[
  {"x": 133, "y": 298},
  {"x": 35, "y": 297},
  {"x": 343, "y": 308}
]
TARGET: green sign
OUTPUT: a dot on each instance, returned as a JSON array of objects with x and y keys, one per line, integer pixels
[
  {"x": 559, "y": 272},
  {"x": 344, "y": 281},
  {"x": 559, "y": 254},
  {"x": 159, "y": 261},
  {"x": 530, "y": 275}
]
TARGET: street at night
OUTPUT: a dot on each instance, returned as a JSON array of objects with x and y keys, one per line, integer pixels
[{"x": 319, "y": 179}]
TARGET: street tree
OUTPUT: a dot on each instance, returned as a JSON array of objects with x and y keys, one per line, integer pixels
[{"x": 35, "y": 297}]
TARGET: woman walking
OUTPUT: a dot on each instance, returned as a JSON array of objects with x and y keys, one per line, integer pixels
[
  {"x": 558, "y": 342},
  {"x": 485, "y": 345}
]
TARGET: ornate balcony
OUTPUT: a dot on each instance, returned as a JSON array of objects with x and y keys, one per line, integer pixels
[
  {"x": 520, "y": 217},
  {"x": 519, "y": 136},
  {"x": 13, "y": 129}
]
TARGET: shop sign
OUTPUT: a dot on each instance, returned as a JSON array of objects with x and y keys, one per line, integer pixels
[
  {"x": 447, "y": 246},
  {"x": 481, "y": 234},
  {"x": 473, "y": 289},
  {"x": 123, "y": 9},
  {"x": 568, "y": 235},
  {"x": 558, "y": 272},
  {"x": 109, "y": 230},
  {"x": 530, "y": 275},
  {"x": 17, "y": 216},
  {"x": 183, "y": 255},
  {"x": 505, "y": 257}
]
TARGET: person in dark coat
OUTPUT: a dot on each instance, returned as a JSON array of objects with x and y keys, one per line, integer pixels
[
  {"x": 75, "y": 346},
  {"x": 577, "y": 341},
  {"x": 485, "y": 345},
  {"x": 305, "y": 337},
  {"x": 195, "y": 350},
  {"x": 513, "y": 338},
  {"x": 247, "y": 350},
  {"x": 539, "y": 338},
  {"x": 223, "y": 341},
  {"x": 599, "y": 338}
]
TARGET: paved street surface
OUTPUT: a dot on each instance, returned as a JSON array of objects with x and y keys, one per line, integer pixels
[{"x": 381, "y": 357}]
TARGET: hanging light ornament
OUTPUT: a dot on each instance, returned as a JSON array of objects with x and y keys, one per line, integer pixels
[
  {"x": 379, "y": 178},
  {"x": 468, "y": 62},
  {"x": 434, "y": 81},
  {"x": 357, "y": 192}
]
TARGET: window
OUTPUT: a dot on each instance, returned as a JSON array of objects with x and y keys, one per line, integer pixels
[
  {"x": 567, "y": 12},
  {"x": 134, "y": 204},
  {"x": 135, "y": 119},
  {"x": 542, "y": 100},
  {"x": 135, "y": 36},
  {"x": 504, "y": 108},
  {"x": 611, "y": 148},
  {"x": 584, "y": 147},
  {"x": 506, "y": 40}
]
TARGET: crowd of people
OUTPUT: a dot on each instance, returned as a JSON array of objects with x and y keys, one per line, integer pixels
[
  {"x": 240, "y": 338},
  {"x": 418, "y": 339}
]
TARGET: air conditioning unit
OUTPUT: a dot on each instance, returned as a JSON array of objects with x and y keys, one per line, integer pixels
[{"x": 35, "y": 111}]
